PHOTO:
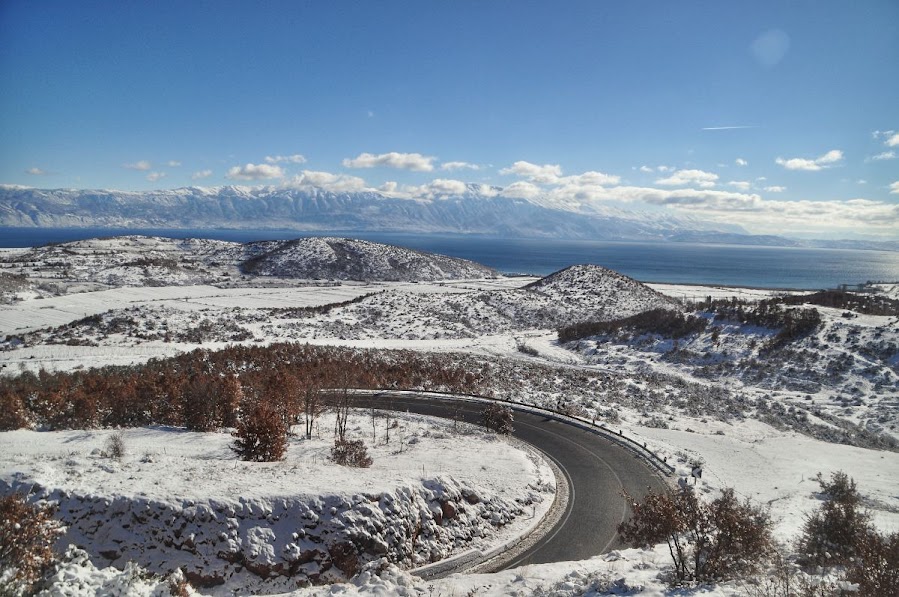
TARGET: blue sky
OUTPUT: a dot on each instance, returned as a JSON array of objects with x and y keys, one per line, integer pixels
[{"x": 585, "y": 105}]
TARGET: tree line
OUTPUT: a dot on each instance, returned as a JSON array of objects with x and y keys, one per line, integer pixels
[{"x": 205, "y": 390}]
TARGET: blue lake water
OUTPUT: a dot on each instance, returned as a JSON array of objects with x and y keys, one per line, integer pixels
[{"x": 764, "y": 267}]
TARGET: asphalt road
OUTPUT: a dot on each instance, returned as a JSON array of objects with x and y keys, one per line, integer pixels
[{"x": 598, "y": 471}]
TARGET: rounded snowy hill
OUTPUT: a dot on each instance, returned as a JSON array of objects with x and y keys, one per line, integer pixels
[
  {"x": 136, "y": 260},
  {"x": 351, "y": 259},
  {"x": 607, "y": 293}
]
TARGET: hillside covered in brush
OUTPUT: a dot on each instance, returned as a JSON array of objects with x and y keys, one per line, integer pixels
[
  {"x": 580, "y": 293},
  {"x": 158, "y": 261}
]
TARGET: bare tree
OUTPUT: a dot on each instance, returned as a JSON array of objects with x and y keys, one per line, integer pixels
[{"x": 313, "y": 404}]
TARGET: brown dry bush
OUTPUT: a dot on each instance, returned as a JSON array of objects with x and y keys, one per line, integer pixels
[
  {"x": 351, "y": 452},
  {"x": 27, "y": 534},
  {"x": 13, "y": 414},
  {"x": 875, "y": 569},
  {"x": 715, "y": 541},
  {"x": 261, "y": 435},
  {"x": 158, "y": 391},
  {"x": 498, "y": 418}
]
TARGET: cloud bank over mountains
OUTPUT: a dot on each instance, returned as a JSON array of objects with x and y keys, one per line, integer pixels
[{"x": 743, "y": 203}]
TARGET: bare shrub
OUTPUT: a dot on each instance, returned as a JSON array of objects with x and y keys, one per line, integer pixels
[
  {"x": 178, "y": 585},
  {"x": 13, "y": 414},
  {"x": 713, "y": 541},
  {"x": 831, "y": 535},
  {"x": 351, "y": 453},
  {"x": 261, "y": 435},
  {"x": 115, "y": 446},
  {"x": 876, "y": 568},
  {"x": 498, "y": 418},
  {"x": 664, "y": 322},
  {"x": 27, "y": 534},
  {"x": 840, "y": 533},
  {"x": 528, "y": 350}
]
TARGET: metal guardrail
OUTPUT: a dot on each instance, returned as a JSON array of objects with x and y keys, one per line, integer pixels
[{"x": 638, "y": 449}]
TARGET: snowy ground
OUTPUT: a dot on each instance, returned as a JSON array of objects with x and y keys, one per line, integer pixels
[
  {"x": 224, "y": 504},
  {"x": 773, "y": 464}
]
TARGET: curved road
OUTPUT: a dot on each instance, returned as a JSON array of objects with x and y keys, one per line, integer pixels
[{"x": 597, "y": 470}]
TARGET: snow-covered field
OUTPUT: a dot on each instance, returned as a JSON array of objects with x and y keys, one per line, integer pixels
[
  {"x": 183, "y": 500},
  {"x": 762, "y": 422}
]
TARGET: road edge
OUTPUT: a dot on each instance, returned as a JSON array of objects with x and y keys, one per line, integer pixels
[{"x": 476, "y": 560}]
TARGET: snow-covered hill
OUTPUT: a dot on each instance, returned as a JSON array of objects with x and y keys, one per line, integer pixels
[
  {"x": 609, "y": 294},
  {"x": 156, "y": 261},
  {"x": 576, "y": 294},
  {"x": 350, "y": 259}
]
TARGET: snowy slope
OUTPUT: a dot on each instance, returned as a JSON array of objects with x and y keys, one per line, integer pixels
[
  {"x": 156, "y": 261},
  {"x": 349, "y": 259},
  {"x": 576, "y": 294},
  {"x": 436, "y": 489}
]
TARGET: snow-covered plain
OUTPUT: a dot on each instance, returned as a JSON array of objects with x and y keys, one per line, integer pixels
[{"x": 756, "y": 429}]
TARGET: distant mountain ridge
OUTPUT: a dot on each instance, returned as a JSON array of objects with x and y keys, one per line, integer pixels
[
  {"x": 317, "y": 210},
  {"x": 310, "y": 209}
]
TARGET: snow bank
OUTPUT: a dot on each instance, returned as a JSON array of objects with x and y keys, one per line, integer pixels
[{"x": 181, "y": 500}]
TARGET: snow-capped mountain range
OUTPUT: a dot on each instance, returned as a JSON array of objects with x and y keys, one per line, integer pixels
[{"x": 314, "y": 210}]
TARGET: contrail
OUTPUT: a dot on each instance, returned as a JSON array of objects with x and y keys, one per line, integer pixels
[{"x": 728, "y": 128}]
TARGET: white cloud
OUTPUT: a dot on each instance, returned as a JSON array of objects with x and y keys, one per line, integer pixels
[
  {"x": 767, "y": 216},
  {"x": 732, "y": 127},
  {"x": 403, "y": 161},
  {"x": 439, "y": 187},
  {"x": 646, "y": 169},
  {"x": 590, "y": 178},
  {"x": 388, "y": 187},
  {"x": 522, "y": 190},
  {"x": 154, "y": 176},
  {"x": 825, "y": 161},
  {"x": 443, "y": 186},
  {"x": 885, "y": 155},
  {"x": 547, "y": 173},
  {"x": 741, "y": 185},
  {"x": 254, "y": 172},
  {"x": 336, "y": 183},
  {"x": 741, "y": 162},
  {"x": 684, "y": 177},
  {"x": 893, "y": 141},
  {"x": 485, "y": 190},
  {"x": 36, "y": 171},
  {"x": 201, "y": 174},
  {"x": 291, "y": 159},
  {"x": 861, "y": 181},
  {"x": 894, "y": 188},
  {"x": 173, "y": 163},
  {"x": 459, "y": 166},
  {"x": 775, "y": 189},
  {"x": 142, "y": 165}
]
